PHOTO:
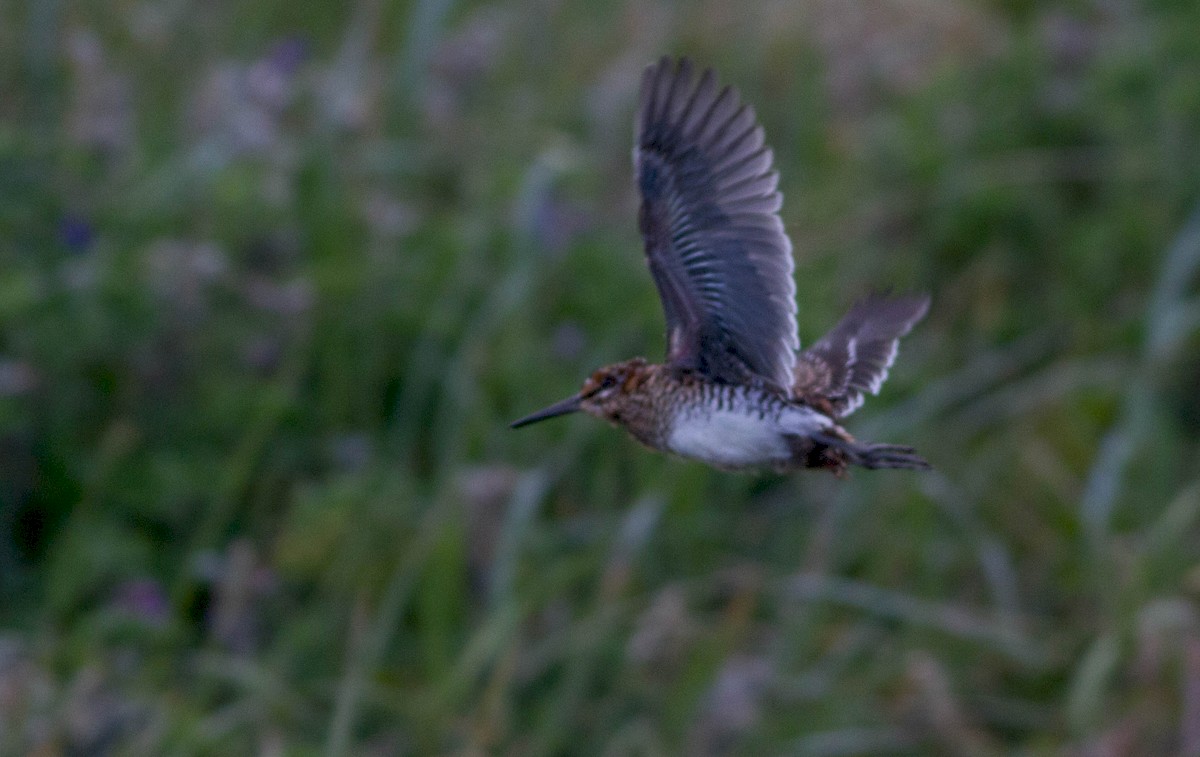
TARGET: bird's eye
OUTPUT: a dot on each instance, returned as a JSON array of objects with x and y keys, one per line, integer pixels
[{"x": 608, "y": 383}]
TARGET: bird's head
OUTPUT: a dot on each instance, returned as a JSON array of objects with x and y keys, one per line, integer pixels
[{"x": 603, "y": 394}]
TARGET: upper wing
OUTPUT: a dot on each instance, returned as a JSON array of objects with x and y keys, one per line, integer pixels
[
  {"x": 855, "y": 356},
  {"x": 709, "y": 217}
]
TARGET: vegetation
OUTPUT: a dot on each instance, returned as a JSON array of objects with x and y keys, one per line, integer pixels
[{"x": 274, "y": 276}]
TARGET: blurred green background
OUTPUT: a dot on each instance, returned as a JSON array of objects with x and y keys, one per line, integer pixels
[{"x": 275, "y": 275}]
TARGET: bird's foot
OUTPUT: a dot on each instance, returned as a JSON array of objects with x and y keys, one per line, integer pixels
[
  {"x": 889, "y": 456},
  {"x": 875, "y": 456}
]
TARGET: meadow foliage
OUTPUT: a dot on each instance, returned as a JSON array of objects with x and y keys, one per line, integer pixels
[{"x": 275, "y": 276}]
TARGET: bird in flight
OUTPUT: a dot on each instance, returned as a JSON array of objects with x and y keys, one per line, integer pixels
[{"x": 735, "y": 391}]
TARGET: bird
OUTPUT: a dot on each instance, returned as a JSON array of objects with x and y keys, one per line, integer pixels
[{"x": 735, "y": 390}]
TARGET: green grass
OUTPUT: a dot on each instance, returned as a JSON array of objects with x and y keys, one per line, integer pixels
[{"x": 273, "y": 279}]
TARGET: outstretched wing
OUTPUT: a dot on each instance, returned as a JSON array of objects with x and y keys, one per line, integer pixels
[
  {"x": 709, "y": 217},
  {"x": 855, "y": 356}
]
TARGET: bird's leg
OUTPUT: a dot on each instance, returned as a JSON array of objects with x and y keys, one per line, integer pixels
[{"x": 874, "y": 456}]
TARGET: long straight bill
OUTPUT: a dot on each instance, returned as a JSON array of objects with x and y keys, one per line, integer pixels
[{"x": 569, "y": 405}]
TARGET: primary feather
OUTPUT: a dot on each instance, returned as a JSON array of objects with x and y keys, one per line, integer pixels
[{"x": 714, "y": 241}]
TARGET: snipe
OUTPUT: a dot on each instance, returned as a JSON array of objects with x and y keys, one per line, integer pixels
[{"x": 734, "y": 392}]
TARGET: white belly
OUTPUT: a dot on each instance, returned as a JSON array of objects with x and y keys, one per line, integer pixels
[{"x": 732, "y": 439}]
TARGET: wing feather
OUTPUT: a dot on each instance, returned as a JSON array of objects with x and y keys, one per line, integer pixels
[
  {"x": 709, "y": 217},
  {"x": 853, "y": 359}
]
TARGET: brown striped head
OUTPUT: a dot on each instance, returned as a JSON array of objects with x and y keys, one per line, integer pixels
[{"x": 602, "y": 395}]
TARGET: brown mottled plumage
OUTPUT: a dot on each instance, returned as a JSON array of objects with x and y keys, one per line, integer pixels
[{"x": 734, "y": 392}]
